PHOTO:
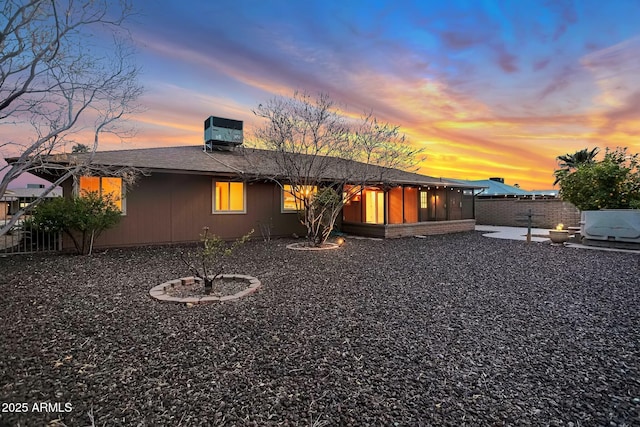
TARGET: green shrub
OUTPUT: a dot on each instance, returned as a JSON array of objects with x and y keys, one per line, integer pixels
[
  {"x": 82, "y": 218},
  {"x": 612, "y": 183}
]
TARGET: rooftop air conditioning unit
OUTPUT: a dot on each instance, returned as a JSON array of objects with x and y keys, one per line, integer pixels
[{"x": 222, "y": 134}]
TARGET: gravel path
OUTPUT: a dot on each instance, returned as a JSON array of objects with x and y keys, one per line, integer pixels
[{"x": 448, "y": 330}]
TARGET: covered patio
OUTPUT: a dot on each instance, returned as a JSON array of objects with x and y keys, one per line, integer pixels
[{"x": 408, "y": 210}]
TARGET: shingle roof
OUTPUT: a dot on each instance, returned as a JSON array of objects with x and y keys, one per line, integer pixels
[{"x": 243, "y": 161}]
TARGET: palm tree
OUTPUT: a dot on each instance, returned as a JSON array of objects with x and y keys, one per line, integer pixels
[
  {"x": 80, "y": 148},
  {"x": 573, "y": 161}
]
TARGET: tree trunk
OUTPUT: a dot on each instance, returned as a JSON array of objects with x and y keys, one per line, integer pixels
[{"x": 208, "y": 285}]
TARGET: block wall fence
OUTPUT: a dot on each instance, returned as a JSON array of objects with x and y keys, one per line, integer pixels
[{"x": 512, "y": 212}]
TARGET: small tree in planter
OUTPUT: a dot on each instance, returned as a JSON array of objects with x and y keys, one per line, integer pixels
[{"x": 206, "y": 263}]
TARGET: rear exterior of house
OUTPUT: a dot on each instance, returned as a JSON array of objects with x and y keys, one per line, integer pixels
[
  {"x": 170, "y": 208},
  {"x": 183, "y": 189}
]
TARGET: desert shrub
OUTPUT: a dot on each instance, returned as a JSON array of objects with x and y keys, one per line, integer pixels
[{"x": 82, "y": 218}]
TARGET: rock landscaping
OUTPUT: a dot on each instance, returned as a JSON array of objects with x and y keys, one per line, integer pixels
[{"x": 447, "y": 330}]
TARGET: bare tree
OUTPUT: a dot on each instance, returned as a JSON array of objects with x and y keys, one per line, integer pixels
[
  {"x": 326, "y": 157},
  {"x": 57, "y": 84}
]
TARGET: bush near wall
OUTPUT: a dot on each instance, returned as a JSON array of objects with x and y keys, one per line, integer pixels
[{"x": 512, "y": 212}]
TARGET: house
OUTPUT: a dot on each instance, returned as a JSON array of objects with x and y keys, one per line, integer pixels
[
  {"x": 23, "y": 237},
  {"x": 17, "y": 198},
  {"x": 496, "y": 188},
  {"x": 5, "y": 201},
  {"x": 231, "y": 191}
]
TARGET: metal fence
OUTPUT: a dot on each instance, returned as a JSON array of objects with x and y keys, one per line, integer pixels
[{"x": 24, "y": 237}]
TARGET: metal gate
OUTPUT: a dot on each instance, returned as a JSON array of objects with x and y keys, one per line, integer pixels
[{"x": 24, "y": 237}]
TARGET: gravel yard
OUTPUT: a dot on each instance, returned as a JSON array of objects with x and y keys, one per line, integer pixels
[{"x": 447, "y": 330}]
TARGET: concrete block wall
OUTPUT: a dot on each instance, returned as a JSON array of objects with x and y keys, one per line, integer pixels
[{"x": 512, "y": 212}]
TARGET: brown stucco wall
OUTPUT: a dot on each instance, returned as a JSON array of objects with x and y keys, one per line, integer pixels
[
  {"x": 512, "y": 212},
  {"x": 168, "y": 208}
]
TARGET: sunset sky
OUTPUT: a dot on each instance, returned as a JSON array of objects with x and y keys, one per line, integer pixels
[{"x": 488, "y": 88}]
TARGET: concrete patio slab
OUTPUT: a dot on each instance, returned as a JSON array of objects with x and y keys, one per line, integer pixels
[
  {"x": 520, "y": 233},
  {"x": 513, "y": 233}
]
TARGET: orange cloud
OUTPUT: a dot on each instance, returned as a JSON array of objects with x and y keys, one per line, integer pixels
[{"x": 463, "y": 136}]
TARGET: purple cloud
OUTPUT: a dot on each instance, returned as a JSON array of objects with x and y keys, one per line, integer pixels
[
  {"x": 541, "y": 64},
  {"x": 506, "y": 61}
]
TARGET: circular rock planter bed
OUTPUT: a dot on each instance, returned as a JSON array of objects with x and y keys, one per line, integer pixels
[
  {"x": 190, "y": 290},
  {"x": 304, "y": 246}
]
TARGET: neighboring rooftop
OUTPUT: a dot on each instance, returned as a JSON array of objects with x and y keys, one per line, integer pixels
[
  {"x": 32, "y": 191},
  {"x": 495, "y": 187}
]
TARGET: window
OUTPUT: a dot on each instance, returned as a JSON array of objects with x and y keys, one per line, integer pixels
[
  {"x": 104, "y": 186},
  {"x": 229, "y": 197},
  {"x": 374, "y": 206},
  {"x": 423, "y": 200},
  {"x": 292, "y": 197}
]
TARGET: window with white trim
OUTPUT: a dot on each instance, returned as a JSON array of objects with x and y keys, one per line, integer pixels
[
  {"x": 105, "y": 186},
  {"x": 229, "y": 197}
]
